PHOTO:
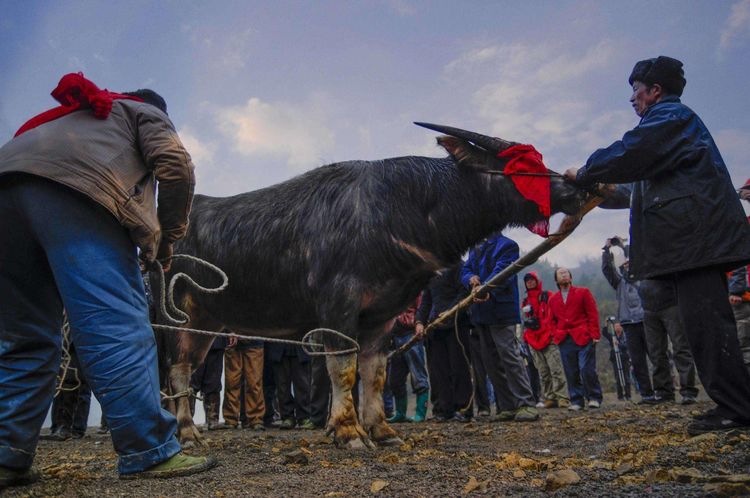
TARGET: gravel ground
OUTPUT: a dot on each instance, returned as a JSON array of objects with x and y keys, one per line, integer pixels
[{"x": 618, "y": 450}]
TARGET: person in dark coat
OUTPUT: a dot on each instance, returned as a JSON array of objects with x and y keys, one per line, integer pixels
[
  {"x": 447, "y": 348},
  {"x": 291, "y": 367},
  {"x": 687, "y": 225},
  {"x": 495, "y": 316},
  {"x": 739, "y": 295},
  {"x": 207, "y": 380}
]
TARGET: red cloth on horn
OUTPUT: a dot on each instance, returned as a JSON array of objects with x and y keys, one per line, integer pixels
[
  {"x": 526, "y": 159},
  {"x": 75, "y": 92}
]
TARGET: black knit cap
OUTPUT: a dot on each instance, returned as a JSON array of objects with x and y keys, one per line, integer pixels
[{"x": 663, "y": 70}]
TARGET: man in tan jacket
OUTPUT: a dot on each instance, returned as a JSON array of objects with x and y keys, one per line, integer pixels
[{"x": 77, "y": 199}]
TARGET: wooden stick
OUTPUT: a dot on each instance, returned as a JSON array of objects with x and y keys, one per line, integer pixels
[{"x": 567, "y": 226}]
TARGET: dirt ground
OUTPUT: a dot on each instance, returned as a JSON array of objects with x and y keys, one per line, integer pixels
[{"x": 619, "y": 450}]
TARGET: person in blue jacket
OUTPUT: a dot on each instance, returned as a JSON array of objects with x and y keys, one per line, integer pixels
[
  {"x": 686, "y": 226},
  {"x": 495, "y": 317}
]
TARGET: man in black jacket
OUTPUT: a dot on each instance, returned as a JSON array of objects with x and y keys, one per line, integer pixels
[
  {"x": 687, "y": 225},
  {"x": 447, "y": 348}
]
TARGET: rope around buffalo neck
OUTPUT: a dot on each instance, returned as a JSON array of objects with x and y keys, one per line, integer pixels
[{"x": 166, "y": 299}]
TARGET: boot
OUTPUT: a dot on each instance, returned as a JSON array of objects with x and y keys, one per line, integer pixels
[
  {"x": 420, "y": 413},
  {"x": 211, "y": 406},
  {"x": 401, "y": 405}
]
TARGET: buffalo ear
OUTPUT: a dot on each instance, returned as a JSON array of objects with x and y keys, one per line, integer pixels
[{"x": 465, "y": 154}]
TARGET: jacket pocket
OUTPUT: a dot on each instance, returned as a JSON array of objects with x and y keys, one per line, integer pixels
[{"x": 670, "y": 223}]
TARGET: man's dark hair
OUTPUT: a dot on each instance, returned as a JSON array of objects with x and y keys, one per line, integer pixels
[
  {"x": 150, "y": 97},
  {"x": 561, "y": 268},
  {"x": 663, "y": 70}
]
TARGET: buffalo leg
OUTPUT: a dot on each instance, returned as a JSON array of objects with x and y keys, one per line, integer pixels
[
  {"x": 372, "y": 371},
  {"x": 187, "y": 432},
  {"x": 343, "y": 420}
]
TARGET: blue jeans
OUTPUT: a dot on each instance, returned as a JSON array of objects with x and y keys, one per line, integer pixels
[
  {"x": 579, "y": 363},
  {"x": 61, "y": 249},
  {"x": 412, "y": 361}
]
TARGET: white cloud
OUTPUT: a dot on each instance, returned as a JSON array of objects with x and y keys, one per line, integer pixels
[
  {"x": 737, "y": 25},
  {"x": 402, "y": 7},
  {"x": 541, "y": 93},
  {"x": 296, "y": 132},
  {"x": 200, "y": 151}
]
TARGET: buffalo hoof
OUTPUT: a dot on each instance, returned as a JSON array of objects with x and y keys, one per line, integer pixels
[
  {"x": 391, "y": 441},
  {"x": 359, "y": 444}
]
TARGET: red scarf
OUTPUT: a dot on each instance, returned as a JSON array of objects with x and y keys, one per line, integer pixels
[
  {"x": 526, "y": 159},
  {"x": 75, "y": 92}
]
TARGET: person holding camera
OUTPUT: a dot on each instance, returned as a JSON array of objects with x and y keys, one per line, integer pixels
[
  {"x": 629, "y": 314},
  {"x": 538, "y": 336}
]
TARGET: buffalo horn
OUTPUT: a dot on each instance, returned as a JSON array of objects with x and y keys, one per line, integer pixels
[{"x": 489, "y": 143}]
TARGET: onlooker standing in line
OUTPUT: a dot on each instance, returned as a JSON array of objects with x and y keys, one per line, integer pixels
[
  {"x": 629, "y": 314},
  {"x": 538, "y": 336},
  {"x": 410, "y": 362},
  {"x": 739, "y": 295},
  {"x": 662, "y": 321},
  {"x": 292, "y": 371},
  {"x": 207, "y": 380},
  {"x": 495, "y": 316},
  {"x": 574, "y": 320},
  {"x": 243, "y": 385},
  {"x": 447, "y": 348}
]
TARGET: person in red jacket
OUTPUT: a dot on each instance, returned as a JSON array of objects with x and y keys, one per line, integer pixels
[
  {"x": 574, "y": 322},
  {"x": 538, "y": 335}
]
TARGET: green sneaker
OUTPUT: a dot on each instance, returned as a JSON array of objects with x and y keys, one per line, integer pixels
[
  {"x": 526, "y": 414},
  {"x": 287, "y": 423},
  {"x": 177, "y": 466},
  {"x": 12, "y": 477},
  {"x": 505, "y": 415},
  {"x": 307, "y": 425}
]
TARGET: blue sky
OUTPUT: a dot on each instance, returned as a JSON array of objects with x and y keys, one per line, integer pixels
[{"x": 262, "y": 91}]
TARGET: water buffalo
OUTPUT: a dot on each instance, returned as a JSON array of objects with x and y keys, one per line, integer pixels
[{"x": 345, "y": 246}]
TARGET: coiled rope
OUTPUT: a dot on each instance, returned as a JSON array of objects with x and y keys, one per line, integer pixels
[{"x": 166, "y": 300}]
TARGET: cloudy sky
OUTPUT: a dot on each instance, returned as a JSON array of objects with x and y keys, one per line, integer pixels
[{"x": 262, "y": 91}]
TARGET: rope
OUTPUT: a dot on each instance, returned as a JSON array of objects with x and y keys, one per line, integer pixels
[
  {"x": 187, "y": 392},
  {"x": 167, "y": 300},
  {"x": 65, "y": 361}
]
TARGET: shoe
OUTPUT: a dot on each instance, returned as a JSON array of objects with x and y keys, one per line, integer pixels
[
  {"x": 575, "y": 408},
  {"x": 715, "y": 423},
  {"x": 549, "y": 404},
  {"x": 594, "y": 403},
  {"x": 461, "y": 418},
  {"x": 287, "y": 424},
  {"x": 177, "y": 466},
  {"x": 483, "y": 413},
  {"x": 649, "y": 400},
  {"x": 221, "y": 426},
  {"x": 526, "y": 414},
  {"x": 401, "y": 404},
  {"x": 60, "y": 434},
  {"x": 688, "y": 400},
  {"x": 102, "y": 430},
  {"x": 505, "y": 415},
  {"x": 710, "y": 413},
  {"x": 13, "y": 477},
  {"x": 307, "y": 425},
  {"x": 420, "y": 412},
  {"x": 563, "y": 403},
  {"x": 540, "y": 404},
  {"x": 440, "y": 418}
]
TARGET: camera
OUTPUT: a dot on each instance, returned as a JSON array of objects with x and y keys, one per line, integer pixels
[{"x": 532, "y": 323}]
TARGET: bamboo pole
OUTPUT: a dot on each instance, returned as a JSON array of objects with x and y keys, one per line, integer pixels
[{"x": 567, "y": 226}]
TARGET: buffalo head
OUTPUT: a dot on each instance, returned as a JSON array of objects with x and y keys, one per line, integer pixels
[{"x": 480, "y": 152}]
